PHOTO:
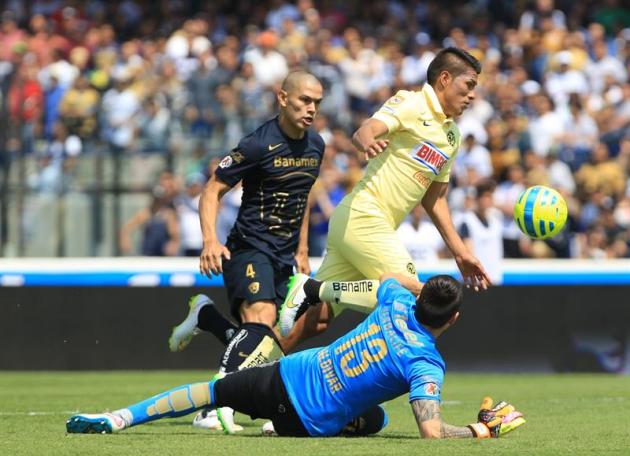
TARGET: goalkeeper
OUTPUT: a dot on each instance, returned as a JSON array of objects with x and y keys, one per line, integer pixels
[{"x": 336, "y": 389}]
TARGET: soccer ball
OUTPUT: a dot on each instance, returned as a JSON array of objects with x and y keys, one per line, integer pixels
[{"x": 540, "y": 212}]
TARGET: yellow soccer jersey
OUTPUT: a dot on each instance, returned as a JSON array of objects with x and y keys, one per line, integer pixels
[{"x": 423, "y": 143}]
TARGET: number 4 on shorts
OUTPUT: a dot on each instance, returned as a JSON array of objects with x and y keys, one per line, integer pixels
[{"x": 249, "y": 271}]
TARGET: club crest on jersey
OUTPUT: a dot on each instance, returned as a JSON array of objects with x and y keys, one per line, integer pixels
[
  {"x": 411, "y": 268},
  {"x": 226, "y": 162},
  {"x": 237, "y": 157},
  {"x": 254, "y": 287},
  {"x": 430, "y": 156},
  {"x": 450, "y": 137},
  {"x": 431, "y": 389}
]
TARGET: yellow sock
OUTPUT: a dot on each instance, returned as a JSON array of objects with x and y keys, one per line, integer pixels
[{"x": 358, "y": 295}]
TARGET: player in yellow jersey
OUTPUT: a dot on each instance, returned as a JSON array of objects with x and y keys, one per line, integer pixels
[{"x": 411, "y": 142}]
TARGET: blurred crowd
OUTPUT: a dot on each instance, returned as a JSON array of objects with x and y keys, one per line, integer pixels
[{"x": 552, "y": 105}]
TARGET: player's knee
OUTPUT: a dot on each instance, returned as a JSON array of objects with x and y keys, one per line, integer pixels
[{"x": 259, "y": 312}]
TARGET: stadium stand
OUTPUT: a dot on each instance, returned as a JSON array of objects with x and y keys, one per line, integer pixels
[{"x": 99, "y": 98}]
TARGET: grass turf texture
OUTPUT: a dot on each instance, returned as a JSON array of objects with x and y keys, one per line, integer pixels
[{"x": 567, "y": 414}]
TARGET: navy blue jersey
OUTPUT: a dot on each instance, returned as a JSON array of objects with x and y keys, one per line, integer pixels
[{"x": 277, "y": 173}]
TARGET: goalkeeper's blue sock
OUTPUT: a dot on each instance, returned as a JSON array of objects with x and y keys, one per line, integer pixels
[{"x": 176, "y": 402}]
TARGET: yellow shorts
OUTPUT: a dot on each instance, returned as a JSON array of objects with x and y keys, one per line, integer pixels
[{"x": 362, "y": 246}]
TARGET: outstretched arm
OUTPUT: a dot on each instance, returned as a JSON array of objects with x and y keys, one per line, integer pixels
[
  {"x": 492, "y": 420},
  {"x": 436, "y": 205},
  {"x": 430, "y": 424}
]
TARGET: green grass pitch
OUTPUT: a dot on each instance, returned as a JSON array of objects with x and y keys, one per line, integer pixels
[{"x": 567, "y": 414}]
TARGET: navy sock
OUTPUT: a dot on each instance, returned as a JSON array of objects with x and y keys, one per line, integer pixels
[
  {"x": 311, "y": 290},
  {"x": 247, "y": 339},
  {"x": 211, "y": 320}
]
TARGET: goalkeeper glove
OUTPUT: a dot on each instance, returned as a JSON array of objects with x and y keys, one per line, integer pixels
[{"x": 497, "y": 420}]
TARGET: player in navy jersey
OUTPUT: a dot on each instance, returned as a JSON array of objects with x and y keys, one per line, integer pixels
[
  {"x": 277, "y": 165},
  {"x": 336, "y": 389}
]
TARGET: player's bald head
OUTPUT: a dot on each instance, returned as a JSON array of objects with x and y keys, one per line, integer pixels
[
  {"x": 299, "y": 99},
  {"x": 298, "y": 79}
]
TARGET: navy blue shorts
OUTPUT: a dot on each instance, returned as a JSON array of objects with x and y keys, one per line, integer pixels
[
  {"x": 260, "y": 393},
  {"x": 252, "y": 276}
]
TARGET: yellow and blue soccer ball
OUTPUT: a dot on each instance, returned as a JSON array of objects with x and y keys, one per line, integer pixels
[{"x": 540, "y": 212}]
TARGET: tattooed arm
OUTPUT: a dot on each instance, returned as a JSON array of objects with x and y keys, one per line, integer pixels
[{"x": 430, "y": 424}]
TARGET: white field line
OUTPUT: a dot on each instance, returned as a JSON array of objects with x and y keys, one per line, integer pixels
[
  {"x": 70, "y": 412},
  {"x": 40, "y": 413}
]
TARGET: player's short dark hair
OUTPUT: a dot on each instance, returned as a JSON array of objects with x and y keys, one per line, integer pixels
[
  {"x": 440, "y": 298},
  {"x": 454, "y": 60}
]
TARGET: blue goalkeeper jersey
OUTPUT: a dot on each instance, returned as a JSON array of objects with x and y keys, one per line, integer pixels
[{"x": 387, "y": 355}]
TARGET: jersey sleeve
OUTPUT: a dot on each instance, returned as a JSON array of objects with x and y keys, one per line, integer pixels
[
  {"x": 445, "y": 174},
  {"x": 388, "y": 290},
  {"x": 321, "y": 148},
  {"x": 396, "y": 110},
  {"x": 238, "y": 163},
  {"x": 425, "y": 382}
]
